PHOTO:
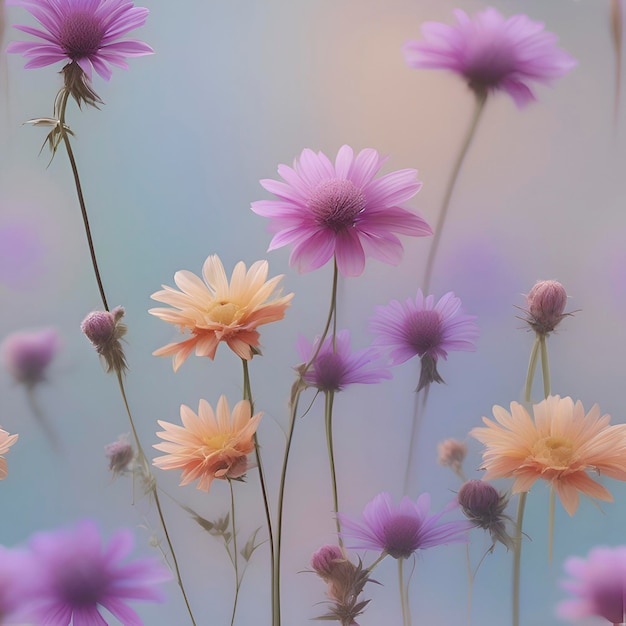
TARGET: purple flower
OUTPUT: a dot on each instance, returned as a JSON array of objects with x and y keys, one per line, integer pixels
[
  {"x": 341, "y": 210},
  {"x": 599, "y": 585},
  {"x": 492, "y": 53},
  {"x": 74, "y": 576},
  {"x": 336, "y": 367},
  {"x": 422, "y": 328},
  {"x": 401, "y": 530},
  {"x": 86, "y": 32},
  {"x": 14, "y": 578},
  {"x": 27, "y": 355}
]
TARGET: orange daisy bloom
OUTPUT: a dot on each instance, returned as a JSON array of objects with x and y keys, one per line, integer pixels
[
  {"x": 558, "y": 445},
  {"x": 6, "y": 441},
  {"x": 216, "y": 310},
  {"x": 206, "y": 447}
]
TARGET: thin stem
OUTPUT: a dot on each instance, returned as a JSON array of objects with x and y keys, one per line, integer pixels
[
  {"x": 236, "y": 556},
  {"x": 616, "y": 35},
  {"x": 481, "y": 98},
  {"x": 470, "y": 584},
  {"x": 418, "y": 412},
  {"x": 404, "y": 596},
  {"x": 517, "y": 556},
  {"x": 328, "y": 420},
  {"x": 545, "y": 366},
  {"x": 377, "y": 561},
  {"x": 532, "y": 366}
]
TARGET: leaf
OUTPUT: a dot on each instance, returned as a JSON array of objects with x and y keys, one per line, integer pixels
[
  {"x": 247, "y": 551},
  {"x": 203, "y": 522}
]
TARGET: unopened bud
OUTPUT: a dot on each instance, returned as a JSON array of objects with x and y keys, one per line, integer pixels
[
  {"x": 104, "y": 329},
  {"x": 324, "y": 561},
  {"x": 546, "y": 305}
]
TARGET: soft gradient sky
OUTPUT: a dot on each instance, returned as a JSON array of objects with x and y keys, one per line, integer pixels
[{"x": 169, "y": 167}]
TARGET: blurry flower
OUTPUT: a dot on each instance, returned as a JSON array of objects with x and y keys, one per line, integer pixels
[
  {"x": 335, "y": 366},
  {"x": 559, "y": 444},
  {"x": 15, "y": 575},
  {"x": 400, "y": 530},
  {"x": 6, "y": 441},
  {"x": 74, "y": 576},
  {"x": 422, "y": 328},
  {"x": 451, "y": 453},
  {"x": 206, "y": 447},
  {"x": 120, "y": 454},
  {"x": 340, "y": 210},
  {"x": 219, "y": 311},
  {"x": 483, "y": 505},
  {"x": 492, "y": 53},
  {"x": 546, "y": 302},
  {"x": 104, "y": 329},
  {"x": 599, "y": 585},
  {"x": 27, "y": 355}
]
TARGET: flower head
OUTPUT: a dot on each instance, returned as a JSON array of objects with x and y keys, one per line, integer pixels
[
  {"x": 341, "y": 210},
  {"x": 546, "y": 303},
  {"x": 216, "y": 310},
  {"x": 27, "y": 355},
  {"x": 492, "y": 53},
  {"x": 422, "y": 328},
  {"x": 401, "y": 530},
  {"x": 120, "y": 454},
  {"x": 558, "y": 444},
  {"x": 451, "y": 453},
  {"x": 105, "y": 329},
  {"x": 599, "y": 584},
  {"x": 74, "y": 576},
  {"x": 206, "y": 447},
  {"x": 335, "y": 366},
  {"x": 6, "y": 441}
]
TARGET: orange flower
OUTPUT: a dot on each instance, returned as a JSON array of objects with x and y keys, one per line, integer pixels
[
  {"x": 6, "y": 441},
  {"x": 206, "y": 447},
  {"x": 219, "y": 311},
  {"x": 559, "y": 445}
]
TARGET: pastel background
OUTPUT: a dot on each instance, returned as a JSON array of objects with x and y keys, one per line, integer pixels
[{"x": 170, "y": 165}]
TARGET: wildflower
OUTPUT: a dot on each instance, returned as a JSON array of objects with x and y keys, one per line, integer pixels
[
  {"x": 15, "y": 575},
  {"x": 492, "y": 53},
  {"x": 6, "y": 441},
  {"x": 206, "y": 447},
  {"x": 546, "y": 305},
  {"x": 401, "y": 530},
  {"x": 27, "y": 355},
  {"x": 452, "y": 453},
  {"x": 483, "y": 505},
  {"x": 104, "y": 329},
  {"x": 599, "y": 585},
  {"x": 220, "y": 311},
  {"x": 74, "y": 576},
  {"x": 335, "y": 366},
  {"x": 325, "y": 210},
  {"x": 559, "y": 444},
  {"x": 422, "y": 328},
  {"x": 120, "y": 454}
]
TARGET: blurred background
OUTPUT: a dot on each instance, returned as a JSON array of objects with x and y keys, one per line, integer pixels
[{"x": 169, "y": 167}]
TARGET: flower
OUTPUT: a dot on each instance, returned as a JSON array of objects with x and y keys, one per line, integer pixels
[
  {"x": 206, "y": 447},
  {"x": 219, "y": 311},
  {"x": 546, "y": 305},
  {"x": 559, "y": 444},
  {"x": 599, "y": 585},
  {"x": 27, "y": 355},
  {"x": 86, "y": 33},
  {"x": 451, "y": 453},
  {"x": 6, "y": 441},
  {"x": 15, "y": 576},
  {"x": 401, "y": 530},
  {"x": 74, "y": 576},
  {"x": 120, "y": 454},
  {"x": 105, "y": 329},
  {"x": 335, "y": 366},
  {"x": 340, "y": 210},
  {"x": 425, "y": 329},
  {"x": 492, "y": 53}
]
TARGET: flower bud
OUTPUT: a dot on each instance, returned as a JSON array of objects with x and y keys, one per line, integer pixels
[
  {"x": 104, "y": 329},
  {"x": 324, "y": 561},
  {"x": 546, "y": 303},
  {"x": 27, "y": 355},
  {"x": 120, "y": 454}
]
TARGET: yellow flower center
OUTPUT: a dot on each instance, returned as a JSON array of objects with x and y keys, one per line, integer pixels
[
  {"x": 554, "y": 452},
  {"x": 221, "y": 441},
  {"x": 223, "y": 313}
]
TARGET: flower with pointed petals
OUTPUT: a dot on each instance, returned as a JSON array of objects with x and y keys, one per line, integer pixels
[
  {"x": 74, "y": 577},
  {"x": 336, "y": 366},
  {"x": 422, "y": 328},
  {"x": 492, "y": 53},
  {"x": 206, "y": 447},
  {"x": 27, "y": 354},
  {"x": 599, "y": 586},
  {"x": 401, "y": 530},
  {"x": 341, "y": 210},
  {"x": 558, "y": 444},
  {"x": 216, "y": 310}
]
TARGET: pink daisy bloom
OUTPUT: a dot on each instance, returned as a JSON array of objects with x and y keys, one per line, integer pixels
[
  {"x": 341, "y": 210},
  {"x": 492, "y": 53},
  {"x": 86, "y": 32}
]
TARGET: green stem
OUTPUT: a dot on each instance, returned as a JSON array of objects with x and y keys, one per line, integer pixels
[
  {"x": 517, "y": 556},
  {"x": 470, "y": 584},
  {"x": 404, "y": 596},
  {"x": 481, "y": 98},
  {"x": 377, "y": 561},
  {"x": 545, "y": 366},
  {"x": 616, "y": 35},
  {"x": 235, "y": 556},
  {"x": 328, "y": 420},
  {"x": 415, "y": 425},
  {"x": 532, "y": 366}
]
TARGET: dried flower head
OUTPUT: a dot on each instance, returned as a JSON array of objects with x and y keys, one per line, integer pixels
[
  {"x": 120, "y": 454},
  {"x": 491, "y": 53},
  {"x": 27, "y": 355},
  {"x": 451, "y": 453},
  {"x": 546, "y": 303},
  {"x": 105, "y": 329}
]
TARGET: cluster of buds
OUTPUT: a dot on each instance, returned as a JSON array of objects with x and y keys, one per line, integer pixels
[{"x": 105, "y": 329}]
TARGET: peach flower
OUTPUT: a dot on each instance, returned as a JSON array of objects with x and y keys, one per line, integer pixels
[
  {"x": 559, "y": 444},
  {"x": 216, "y": 310},
  {"x": 206, "y": 447},
  {"x": 6, "y": 441}
]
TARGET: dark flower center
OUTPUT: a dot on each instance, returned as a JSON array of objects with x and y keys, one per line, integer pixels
[
  {"x": 424, "y": 331},
  {"x": 489, "y": 64},
  {"x": 336, "y": 204},
  {"x": 81, "y": 34},
  {"x": 83, "y": 583},
  {"x": 329, "y": 372},
  {"x": 609, "y": 599},
  {"x": 402, "y": 536}
]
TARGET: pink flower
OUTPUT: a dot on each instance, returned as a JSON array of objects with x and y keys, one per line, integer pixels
[
  {"x": 492, "y": 53},
  {"x": 27, "y": 354},
  {"x": 341, "y": 210}
]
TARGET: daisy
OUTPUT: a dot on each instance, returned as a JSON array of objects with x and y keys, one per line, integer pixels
[
  {"x": 559, "y": 444},
  {"x": 206, "y": 447},
  {"x": 216, "y": 310},
  {"x": 341, "y": 210}
]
